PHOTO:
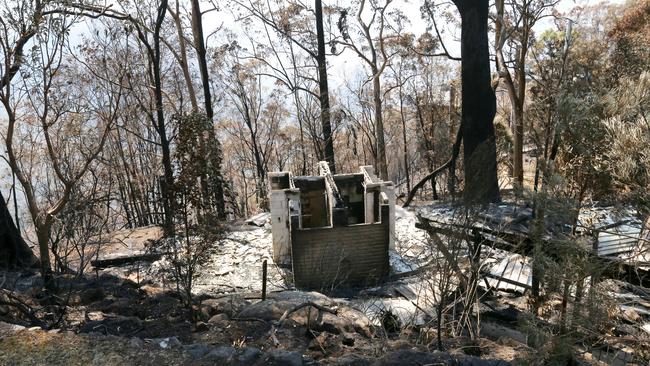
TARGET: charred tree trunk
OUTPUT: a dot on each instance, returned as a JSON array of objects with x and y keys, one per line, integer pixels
[
  {"x": 14, "y": 252},
  {"x": 323, "y": 89},
  {"x": 404, "y": 140},
  {"x": 197, "y": 30},
  {"x": 167, "y": 179},
  {"x": 382, "y": 163},
  {"x": 478, "y": 105}
]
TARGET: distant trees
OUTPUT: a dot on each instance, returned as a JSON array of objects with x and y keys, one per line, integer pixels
[
  {"x": 293, "y": 23},
  {"x": 66, "y": 130},
  {"x": 372, "y": 49},
  {"x": 513, "y": 35}
]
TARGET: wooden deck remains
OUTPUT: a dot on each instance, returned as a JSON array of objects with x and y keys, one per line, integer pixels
[{"x": 616, "y": 240}]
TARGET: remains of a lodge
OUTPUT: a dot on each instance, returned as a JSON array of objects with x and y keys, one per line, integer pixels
[{"x": 335, "y": 230}]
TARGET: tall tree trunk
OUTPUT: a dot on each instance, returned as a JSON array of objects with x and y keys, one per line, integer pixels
[
  {"x": 199, "y": 43},
  {"x": 518, "y": 147},
  {"x": 168, "y": 178},
  {"x": 183, "y": 57},
  {"x": 478, "y": 105},
  {"x": 43, "y": 231},
  {"x": 323, "y": 89},
  {"x": 14, "y": 252},
  {"x": 382, "y": 164},
  {"x": 405, "y": 141}
]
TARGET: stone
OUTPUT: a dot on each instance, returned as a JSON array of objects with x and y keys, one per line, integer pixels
[
  {"x": 347, "y": 320},
  {"x": 8, "y": 327},
  {"x": 222, "y": 355},
  {"x": 201, "y": 327},
  {"x": 631, "y": 315},
  {"x": 475, "y": 361},
  {"x": 95, "y": 315},
  {"x": 351, "y": 360},
  {"x": 170, "y": 342},
  {"x": 196, "y": 350},
  {"x": 230, "y": 305},
  {"x": 136, "y": 342},
  {"x": 267, "y": 310},
  {"x": 218, "y": 319},
  {"x": 411, "y": 357},
  {"x": 302, "y": 296},
  {"x": 86, "y": 296},
  {"x": 115, "y": 325},
  {"x": 326, "y": 343},
  {"x": 248, "y": 356},
  {"x": 280, "y": 357}
]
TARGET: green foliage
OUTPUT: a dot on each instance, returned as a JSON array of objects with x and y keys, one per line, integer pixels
[
  {"x": 197, "y": 160},
  {"x": 628, "y": 129}
]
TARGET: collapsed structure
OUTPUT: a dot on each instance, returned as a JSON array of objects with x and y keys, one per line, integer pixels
[{"x": 334, "y": 229}]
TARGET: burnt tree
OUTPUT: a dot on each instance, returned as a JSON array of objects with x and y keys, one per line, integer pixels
[
  {"x": 14, "y": 252},
  {"x": 323, "y": 88},
  {"x": 212, "y": 192},
  {"x": 478, "y": 110},
  {"x": 478, "y": 104}
]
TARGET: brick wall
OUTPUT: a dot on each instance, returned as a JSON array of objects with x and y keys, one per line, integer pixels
[{"x": 327, "y": 258}]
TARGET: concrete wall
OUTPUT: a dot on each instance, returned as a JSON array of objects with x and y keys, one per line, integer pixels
[
  {"x": 280, "y": 226},
  {"x": 327, "y": 258}
]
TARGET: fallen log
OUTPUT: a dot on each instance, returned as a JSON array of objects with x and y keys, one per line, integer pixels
[{"x": 122, "y": 260}]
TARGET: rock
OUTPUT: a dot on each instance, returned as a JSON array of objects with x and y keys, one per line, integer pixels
[
  {"x": 95, "y": 315},
  {"x": 8, "y": 327},
  {"x": 122, "y": 307},
  {"x": 218, "y": 319},
  {"x": 222, "y": 355},
  {"x": 280, "y": 357},
  {"x": 411, "y": 357},
  {"x": 302, "y": 296},
  {"x": 475, "y": 361},
  {"x": 267, "y": 310},
  {"x": 170, "y": 342},
  {"x": 260, "y": 219},
  {"x": 196, "y": 350},
  {"x": 115, "y": 325},
  {"x": 164, "y": 328},
  {"x": 230, "y": 306},
  {"x": 201, "y": 327},
  {"x": 326, "y": 343},
  {"x": 346, "y": 320},
  {"x": 151, "y": 290},
  {"x": 248, "y": 356},
  {"x": 136, "y": 342},
  {"x": 86, "y": 296},
  {"x": 630, "y": 315},
  {"x": 351, "y": 360}
]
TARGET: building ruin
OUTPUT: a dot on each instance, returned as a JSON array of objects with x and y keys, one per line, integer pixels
[{"x": 334, "y": 229}]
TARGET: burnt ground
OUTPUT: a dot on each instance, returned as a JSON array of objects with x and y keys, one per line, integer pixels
[{"x": 108, "y": 320}]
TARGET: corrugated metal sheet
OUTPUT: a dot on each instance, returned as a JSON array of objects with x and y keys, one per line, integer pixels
[
  {"x": 512, "y": 273},
  {"x": 620, "y": 239},
  {"x": 330, "y": 257}
]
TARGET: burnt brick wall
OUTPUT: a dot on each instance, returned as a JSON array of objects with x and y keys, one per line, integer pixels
[{"x": 342, "y": 256}]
